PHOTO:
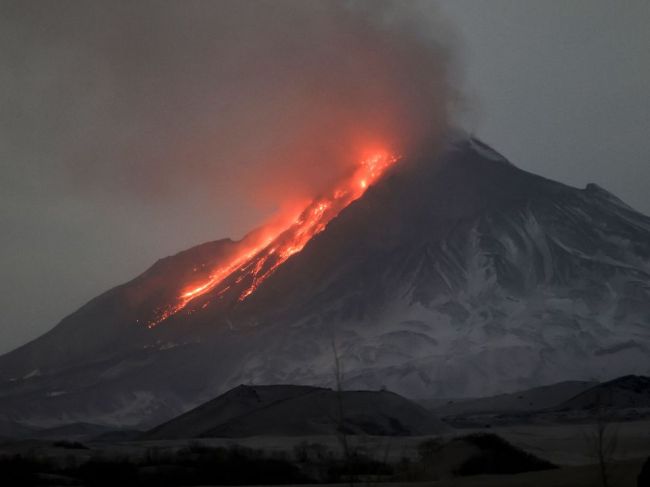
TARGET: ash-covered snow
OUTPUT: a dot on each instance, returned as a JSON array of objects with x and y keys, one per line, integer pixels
[{"x": 460, "y": 276}]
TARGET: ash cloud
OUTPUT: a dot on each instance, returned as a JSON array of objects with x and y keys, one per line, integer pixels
[
  {"x": 132, "y": 130},
  {"x": 254, "y": 100}
]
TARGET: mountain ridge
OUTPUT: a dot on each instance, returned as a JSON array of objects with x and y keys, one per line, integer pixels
[{"x": 456, "y": 275}]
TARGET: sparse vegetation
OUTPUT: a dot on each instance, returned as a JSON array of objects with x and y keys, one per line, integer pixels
[
  {"x": 194, "y": 465},
  {"x": 198, "y": 464},
  {"x": 357, "y": 467}
]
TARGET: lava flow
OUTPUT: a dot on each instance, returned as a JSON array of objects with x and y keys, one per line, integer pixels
[{"x": 252, "y": 265}]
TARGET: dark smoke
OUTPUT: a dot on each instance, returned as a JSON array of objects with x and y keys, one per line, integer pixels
[
  {"x": 254, "y": 100},
  {"x": 132, "y": 130}
]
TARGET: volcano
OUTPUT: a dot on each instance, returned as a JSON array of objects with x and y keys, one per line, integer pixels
[{"x": 453, "y": 274}]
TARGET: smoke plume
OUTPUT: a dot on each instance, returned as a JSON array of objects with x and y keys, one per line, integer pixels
[
  {"x": 132, "y": 130},
  {"x": 259, "y": 102}
]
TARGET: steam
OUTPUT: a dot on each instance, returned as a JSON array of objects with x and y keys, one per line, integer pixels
[{"x": 262, "y": 103}]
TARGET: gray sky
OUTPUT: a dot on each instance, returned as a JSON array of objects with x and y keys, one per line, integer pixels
[{"x": 100, "y": 103}]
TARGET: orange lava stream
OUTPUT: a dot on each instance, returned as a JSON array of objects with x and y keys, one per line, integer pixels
[{"x": 257, "y": 262}]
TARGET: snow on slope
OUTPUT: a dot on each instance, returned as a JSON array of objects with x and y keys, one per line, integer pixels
[{"x": 456, "y": 276}]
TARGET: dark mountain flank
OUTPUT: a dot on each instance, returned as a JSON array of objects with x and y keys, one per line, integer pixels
[{"x": 456, "y": 275}]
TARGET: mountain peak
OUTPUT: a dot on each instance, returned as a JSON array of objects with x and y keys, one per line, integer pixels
[{"x": 457, "y": 274}]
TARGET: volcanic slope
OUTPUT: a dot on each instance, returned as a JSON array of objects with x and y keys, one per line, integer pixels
[{"x": 455, "y": 275}]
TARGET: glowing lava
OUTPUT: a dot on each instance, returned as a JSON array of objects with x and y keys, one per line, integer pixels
[{"x": 252, "y": 265}]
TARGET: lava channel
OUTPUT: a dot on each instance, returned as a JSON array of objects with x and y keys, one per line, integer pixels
[{"x": 255, "y": 263}]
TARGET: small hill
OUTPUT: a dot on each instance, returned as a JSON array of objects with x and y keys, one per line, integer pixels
[
  {"x": 235, "y": 403},
  {"x": 529, "y": 400},
  {"x": 630, "y": 391},
  {"x": 477, "y": 454},
  {"x": 300, "y": 411}
]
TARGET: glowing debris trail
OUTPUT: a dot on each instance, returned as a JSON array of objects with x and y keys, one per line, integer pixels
[{"x": 252, "y": 265}]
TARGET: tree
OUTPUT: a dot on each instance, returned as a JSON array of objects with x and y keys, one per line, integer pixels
[
  {"x": 603, "y": 437},
  {"x": 338, "y": 377}
]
